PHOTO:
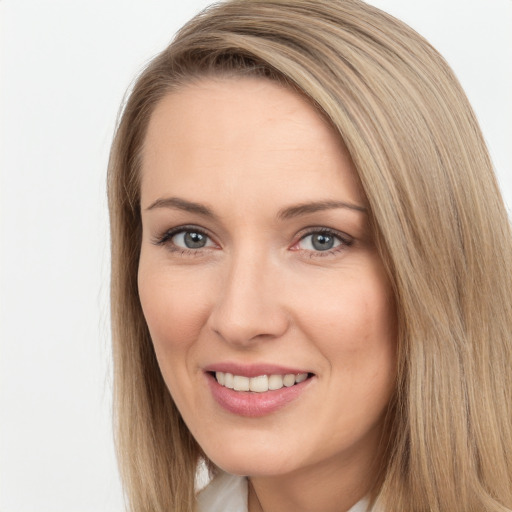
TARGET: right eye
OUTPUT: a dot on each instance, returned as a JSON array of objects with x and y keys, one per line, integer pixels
[
  {"x": 185, "y": 240},
  {"x": 191, "y": 239}
]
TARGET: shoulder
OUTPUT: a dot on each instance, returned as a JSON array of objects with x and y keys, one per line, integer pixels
[{"x": 225, "y": 493}]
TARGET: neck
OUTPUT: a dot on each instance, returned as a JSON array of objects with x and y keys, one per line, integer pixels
[
  {"x": 330, "y": 487},
  {"x": 254, "y": 504}
]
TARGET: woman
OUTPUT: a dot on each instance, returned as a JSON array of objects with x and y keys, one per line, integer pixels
[{"x": 311, "y": 271}]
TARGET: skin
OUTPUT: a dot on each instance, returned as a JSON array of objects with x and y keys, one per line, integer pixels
[{"x": 260, "y": 292}]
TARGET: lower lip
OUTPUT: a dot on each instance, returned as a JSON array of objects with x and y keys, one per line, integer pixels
[{"x": 252, "y": 404}]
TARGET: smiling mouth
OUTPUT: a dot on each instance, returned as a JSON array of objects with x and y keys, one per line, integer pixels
[{"x": 261, "y": 383}]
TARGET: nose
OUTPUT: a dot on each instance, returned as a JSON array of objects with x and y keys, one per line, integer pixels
[{"x": 248, "y": 307}]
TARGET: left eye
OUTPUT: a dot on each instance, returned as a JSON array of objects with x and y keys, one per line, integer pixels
[
  {"x": 191, "y": 240},
  {"x": 319, "y": 241}
]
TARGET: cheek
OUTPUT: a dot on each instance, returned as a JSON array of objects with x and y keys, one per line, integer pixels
[
  {"x": 362, "y": 314},
  {"x": 175, "y": 313},
  {"x": 353, "y": 323}
]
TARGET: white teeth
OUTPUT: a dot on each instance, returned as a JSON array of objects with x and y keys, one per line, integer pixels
[
  {"x": 289, "y": 380},
  {"x": 228, "y": 380},
  {"x": 301, "y": 377},
  {"x": 259, "y": 384},
  {"x": 240, "y": 383},
  {"x": 275, "y": 382}
]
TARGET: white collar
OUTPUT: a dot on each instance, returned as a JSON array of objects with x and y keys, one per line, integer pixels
[{"x": 228, "y": 493}]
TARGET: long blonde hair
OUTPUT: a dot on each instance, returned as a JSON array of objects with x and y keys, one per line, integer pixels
[{"x": 439, "y": 222}]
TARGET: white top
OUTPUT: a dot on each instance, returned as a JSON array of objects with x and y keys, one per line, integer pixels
[{"x": 228, "y": 493}]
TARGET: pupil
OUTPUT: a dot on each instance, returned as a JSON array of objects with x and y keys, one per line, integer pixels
[
  {"x": 194, "y": 240},
  {"x": 322, "y": 242}
]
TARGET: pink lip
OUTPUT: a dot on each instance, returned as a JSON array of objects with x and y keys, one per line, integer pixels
[
  {"x": 252, "y": 370},
  {"x": 248, "y": 403}
]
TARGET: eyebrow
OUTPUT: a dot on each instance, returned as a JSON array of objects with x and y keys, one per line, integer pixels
[
  {"x": 317, "y": 206},
  {"x": 182, "y": 204},
  {"x": 284, "y": 214}
]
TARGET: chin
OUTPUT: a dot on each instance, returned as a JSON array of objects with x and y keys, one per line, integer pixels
[
  {"x": 244, "y": 468},
  {"x": 253, "y": 461}
]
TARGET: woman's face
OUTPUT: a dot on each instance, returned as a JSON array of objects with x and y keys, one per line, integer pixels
[{"x": 257, "y": 262}]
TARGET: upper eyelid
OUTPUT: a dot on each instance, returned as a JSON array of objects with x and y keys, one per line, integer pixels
[
  {"x": 323, "y": 229},
  {"x": 346, "y": 241},
  {"x": 166, "y": 235},
  {"x": 304, "y": 232}
]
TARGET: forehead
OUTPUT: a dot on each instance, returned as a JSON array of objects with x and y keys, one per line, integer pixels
[{"x": 249, "y": 133}]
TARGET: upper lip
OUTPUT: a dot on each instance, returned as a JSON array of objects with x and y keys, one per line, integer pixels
[{"x": 253, "y": 370}]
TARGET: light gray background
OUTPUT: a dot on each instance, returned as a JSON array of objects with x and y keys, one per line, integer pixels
[{"x": 65, "y": 66}]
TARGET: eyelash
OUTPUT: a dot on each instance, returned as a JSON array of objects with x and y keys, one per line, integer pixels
[
  {"x": 344, "y": 239},
  {"x": 165, "y": 240}
]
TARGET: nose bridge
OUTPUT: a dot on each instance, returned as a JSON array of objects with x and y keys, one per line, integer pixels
[{"x": 248, "y": 305}]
